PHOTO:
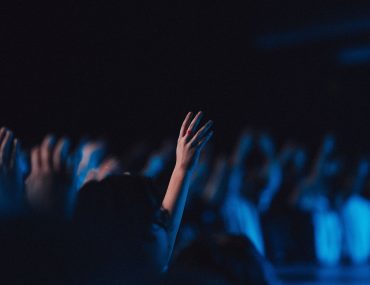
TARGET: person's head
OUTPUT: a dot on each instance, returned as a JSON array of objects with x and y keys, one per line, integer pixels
[
  {"x": 123, "y": 215},
  {"x": 231, "y": 258}
]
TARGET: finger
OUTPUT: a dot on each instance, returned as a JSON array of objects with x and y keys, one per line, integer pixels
[
  {"x": 76, "y": 157},
  {"x": 195, "y": 122},
  {"x": 5, "y": 148},
  {"x": 109, "y": 163},
  {"x": 91, "y": 148},
  {"x": 108, "y": 167},
  {"x": 14, "y": 159},
  {"x": 35, "y": 159},
  {"x": 204, "y": 141},
  {"x": 2, "y": 134},
  {"x": 91, "y": 156},
  {"x": 91, "y": 176},
  {"x": 94, "y": 154},
  {"x": 185, "y": 124},
  {"x": 46, "y": 151},
  {"x": 60, "y": 154},
  {"x": 201, "y": 133}
]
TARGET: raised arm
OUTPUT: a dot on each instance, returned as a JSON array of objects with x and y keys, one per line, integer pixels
[
  {"x": 49, "y": 187},
  {"x": 12, "y": 173},
  {"x": 159, "y": 160},
  {"x": 189, "y": 146},
  {"x": 216, "y": 186},
  {"x": 238, "y": 164}
]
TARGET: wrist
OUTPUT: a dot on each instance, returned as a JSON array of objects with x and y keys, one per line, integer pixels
[{"x": 182, "y": 170}]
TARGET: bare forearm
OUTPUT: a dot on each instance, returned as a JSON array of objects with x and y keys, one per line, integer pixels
[{"x": 175, "y": 200}]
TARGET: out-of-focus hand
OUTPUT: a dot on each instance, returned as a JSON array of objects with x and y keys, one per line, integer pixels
[
  {"x": 324, "y": 156},
  {"x": 273, "y": 174},
  {"x": 286, "y": 153},
  {"x": 243, "y": 148},
  {"x": 109, "y": 166},
  {"x": 158, "y": 161},
  {"x": 359, "y": 179},
  {"x": 267, "y": 145},
  {"x": 49, "y": 187},
  {"x": 201, "y": 173},
  {"x": 217, "y": 184},
  {"x": 87, "y": 160},
  {"x": 12, "y": 172},
  {"x": 191, "y": 141}
]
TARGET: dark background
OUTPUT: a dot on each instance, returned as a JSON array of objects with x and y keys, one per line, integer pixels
[{"x": 131, "y": 70}]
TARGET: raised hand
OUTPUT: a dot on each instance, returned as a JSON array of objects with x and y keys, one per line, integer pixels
[
  {"x": 49, "y": 187},
  {"x": 243, "y": 148},
  {"x": 191, "y": 141},
  {"x": 158, "y": 161},
  {"x": 360, "y": 177},
  {"x": 202, "y": 172},
  {"x": 108, "y": 167},
  {"x": 273, "y": 174},
  {"x": 267, "y": 145},
  {"x": 12, "y": 174},
  {"x": 214, "y": 191},
  {"x": 286, "y": 154},
  {"x": 87, "y": 159}
]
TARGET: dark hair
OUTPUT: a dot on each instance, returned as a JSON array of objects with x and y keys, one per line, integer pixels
[
  {"x": 116, "y": 216},
  {"x": 125, "y": 204}
]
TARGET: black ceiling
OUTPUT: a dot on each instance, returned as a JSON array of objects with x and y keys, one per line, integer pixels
[{"x": 115, "y": 67}]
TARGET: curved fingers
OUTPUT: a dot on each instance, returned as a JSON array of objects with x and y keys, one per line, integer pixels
[
  {"x": 14, "y": 159},
  {"x": 203, "y": 132},
  {"x": 194, "y": 123},
  {"x": 185, "y": 124},
  {"x": 35, "y": 159},
  {"x": 46, "y": 150},
  {"x": 5, "y": 148},
  {"x": 2, "y": 134},
  {"x": 60, "y": 154},
  {"x": 109, "y": 166},
  {"x": 204, "y": 141}
]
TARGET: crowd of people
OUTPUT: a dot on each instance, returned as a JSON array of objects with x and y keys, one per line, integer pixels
[{"x": 72, "y": 213}]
